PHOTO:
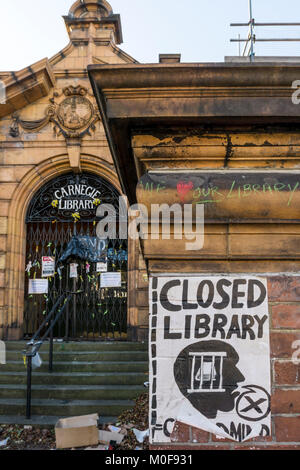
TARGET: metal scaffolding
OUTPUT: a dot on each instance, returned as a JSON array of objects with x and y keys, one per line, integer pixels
[{"x": 252, "y": 39}]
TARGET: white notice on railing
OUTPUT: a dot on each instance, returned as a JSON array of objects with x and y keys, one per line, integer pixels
[
  {"x": 48, "y": 266},
  {"x": 111, "y": 280},
  {"x": 38, "y": 286}
]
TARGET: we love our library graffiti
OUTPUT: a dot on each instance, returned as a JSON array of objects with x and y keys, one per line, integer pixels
[{"x": 227, "y": 193}]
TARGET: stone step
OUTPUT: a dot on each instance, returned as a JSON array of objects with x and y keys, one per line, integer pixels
[
  {"x": 75, "y": 378},
  {"x": 88, "y": 377},
  {"x": 85, "y": 356},
  {"x": 82, "y": 346},
  {"x": 45, "y": 421},
  {"x": 65, "y": 408},
  {"x": 81, "y": 366},
  {"x": 73, "y": 392}
]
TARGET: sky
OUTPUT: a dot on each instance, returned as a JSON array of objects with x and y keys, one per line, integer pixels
[{"x": 198, "y": 29}]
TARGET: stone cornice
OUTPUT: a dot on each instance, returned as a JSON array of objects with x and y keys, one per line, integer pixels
[
  {"x": 144, "y": 99},
  {"x": 193, "y": 75},
  {"x": 27, "y": 86},
  {"x": 195, "y": 90}
]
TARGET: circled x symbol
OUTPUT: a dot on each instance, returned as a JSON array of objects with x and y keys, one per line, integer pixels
[{"x": 254, "y": 404}]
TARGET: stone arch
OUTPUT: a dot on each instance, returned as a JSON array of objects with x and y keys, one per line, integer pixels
[{"x": 16, "y": 231}]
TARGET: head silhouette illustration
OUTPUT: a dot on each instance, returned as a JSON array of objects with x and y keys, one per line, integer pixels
[{"x": 207, "y": 376}]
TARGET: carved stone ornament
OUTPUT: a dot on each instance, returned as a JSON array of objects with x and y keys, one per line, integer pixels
[
  {"x": 75, "y": 112},
  {"x": 71, "y": 112}
]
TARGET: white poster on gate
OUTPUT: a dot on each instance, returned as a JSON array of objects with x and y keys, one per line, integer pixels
[
  {"x": 73, "y": 271},
  {"x": 48, "y": 266},
  {"x": 111, "y": 280},
  {"x": 209, "y": 356},
  {"x": 101, "y": 267},
  {"x": 38, "y": 286}
]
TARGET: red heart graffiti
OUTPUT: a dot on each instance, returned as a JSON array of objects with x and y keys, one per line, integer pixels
[{"x": 183, "y": 189}]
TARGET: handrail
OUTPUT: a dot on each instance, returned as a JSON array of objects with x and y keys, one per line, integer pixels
[
  {"x": 36, "y": 342},
  {"x": 46, "y": 320}
]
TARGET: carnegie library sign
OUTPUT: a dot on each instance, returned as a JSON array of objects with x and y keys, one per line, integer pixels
[
  {"x": 70, "y": 194},
  {"x": 76, "y": 197}
]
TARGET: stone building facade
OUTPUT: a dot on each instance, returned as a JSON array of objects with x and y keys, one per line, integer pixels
[
  {"x": 50, "y": 127},
  {"x": 224, "y": 136},
  {"x": 158, "y": 133}
]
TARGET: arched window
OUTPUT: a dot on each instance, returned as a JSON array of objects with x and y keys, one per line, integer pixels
[{"x": 62, "y": 209}]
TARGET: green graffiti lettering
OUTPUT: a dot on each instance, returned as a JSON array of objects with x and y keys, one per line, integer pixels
[
  {"x": 160, "y": 188},
  {"x": 247, "y": 190},
  {"x": 279, "y": 187},
  {"x": 206, "y": 193},
  {"x": 149, "y": 187},
  {"x": 267, "y": 187},
  {"x": 231, "y": 189},
  {"x": 256, "y": 188},
  {"x": 292, "y": 195},
  {"x": 197, "y": 193},
  {"x": 215, "y": 191}
]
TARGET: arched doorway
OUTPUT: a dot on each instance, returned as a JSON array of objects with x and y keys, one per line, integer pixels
[{"x": 62, "y": 209}]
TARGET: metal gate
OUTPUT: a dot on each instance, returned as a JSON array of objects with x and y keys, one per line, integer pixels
[{"x": 64, "y": 207}]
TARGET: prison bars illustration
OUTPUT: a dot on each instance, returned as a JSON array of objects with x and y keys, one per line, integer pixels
[{"x": 200, "y": 376}]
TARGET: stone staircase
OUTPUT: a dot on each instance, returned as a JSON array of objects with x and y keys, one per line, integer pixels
[{"x": 87, "y": 377}]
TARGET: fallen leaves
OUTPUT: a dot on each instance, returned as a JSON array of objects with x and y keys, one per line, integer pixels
[
  {"x": 26, "y": 437},
  {"x": 137, "y": 417}
]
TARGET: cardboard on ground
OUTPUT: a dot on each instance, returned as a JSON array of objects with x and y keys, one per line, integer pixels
[{"x": 79, "y": 431}]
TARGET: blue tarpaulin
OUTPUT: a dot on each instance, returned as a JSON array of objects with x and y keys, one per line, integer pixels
[{"x": 91, "y": 249}]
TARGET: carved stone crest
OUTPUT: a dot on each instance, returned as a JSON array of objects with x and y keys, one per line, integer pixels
[
  {"x": 71, "y": 112},
  {"x": 75, "y": 112}
]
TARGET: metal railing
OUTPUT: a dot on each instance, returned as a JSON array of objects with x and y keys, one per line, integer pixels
[{"x": 36, "y": 342}]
